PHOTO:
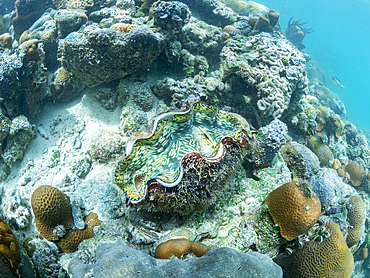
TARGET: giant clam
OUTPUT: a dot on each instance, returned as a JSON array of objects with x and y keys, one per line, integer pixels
[{"x": 184, "y": 162}]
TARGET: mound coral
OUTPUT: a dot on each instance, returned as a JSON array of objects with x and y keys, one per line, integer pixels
[
  {"x": 356, "y": 218},
  {"x": 329, "y": 258},
  {"x": 292, "y": 211},
  {"x": 6, "y": 41},
  {"x": 9, "y": 253},
  {"x": 179, "y": 247},
  {"x": 321, "y": 150},
  {"x": 355, "y": 171},
  {"x": 184, "y": 163},
  {"x": 52, "y": 208}
]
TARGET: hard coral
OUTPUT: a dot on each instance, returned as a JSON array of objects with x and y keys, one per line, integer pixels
[
  {"x": 356, "y": 218},
  {"x": 292, "y": 211},
  {"x": 329, "y": 258},
  {"x": 355, "y": 171},
  {"x": 51, "y": 208},
  {"x": 179, "y": 247},
  {"x": 6, "y": 41},
  {"x": 9, "y": 253},
  {"x": 72, "y": 239}
]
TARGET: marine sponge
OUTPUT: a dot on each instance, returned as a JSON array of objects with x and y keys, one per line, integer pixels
[
  {"x": 292, "y": 211},
  {"x": 73, "y": 238},
  {"x": 355, "y": 171},
  {"x": 356, "y": 218},
  {"x": 179, "y": 247},
  {"x": 9, "y": 253},
  {"x": 329, "y": 258},
  {"x": 51, "y": 208}
]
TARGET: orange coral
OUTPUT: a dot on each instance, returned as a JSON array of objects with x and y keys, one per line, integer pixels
[
  {"x": 356, "y": 218},
  {"x": 69, "y": 243},
  {"x": 329, "y": 258},
  {"x": 292, "y": 211},
  {"x": 9, "y": 253},
  {"x": 179, "y": 247},
  {"x": 355, "y": 172},
  {"x": 51, "y": 208}
]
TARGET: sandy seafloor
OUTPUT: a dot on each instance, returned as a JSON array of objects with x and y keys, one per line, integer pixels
[{"x": 77, "y": 147}]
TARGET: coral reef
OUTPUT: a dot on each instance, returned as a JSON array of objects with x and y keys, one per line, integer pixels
[
  {"x": 52, "y": 208},
  {"x": 292, "y": 211},
  {"x": 179, "y": 247},
  {"x": 295, "y": 32},
  {"x": 329, "y": 258},
  {"x": 85, "y": 54},
  {"x": 68, "y": 21}
]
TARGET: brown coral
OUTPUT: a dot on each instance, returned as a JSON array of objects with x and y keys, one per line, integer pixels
[
  {"x": 355, "y": 172},
  {"x": 330, "y": 258},
  {"x": 9, "y": 253},
  {"x": 292, "y": 211},
  {"x": 51, "y": 208},
  {"x": 69, "y": 243},
  {"x": 356, "y": 218},
  {"x": 6, "y": 41},
  {"x": 179, "y": 247}
]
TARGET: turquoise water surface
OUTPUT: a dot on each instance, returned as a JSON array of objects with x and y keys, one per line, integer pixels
[{"x": 339, "y": 44}]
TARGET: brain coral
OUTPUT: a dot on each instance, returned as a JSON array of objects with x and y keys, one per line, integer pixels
[
  {"x": 51, "y": 208},
  {"x": 179, "y": 247},
  {"x": 330, "y": 258},
  {"x": 292, "y": 211},
  {"x": 356, "y": 218}
]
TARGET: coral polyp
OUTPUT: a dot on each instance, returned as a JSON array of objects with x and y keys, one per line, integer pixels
[{"x": 201, "y": 132}]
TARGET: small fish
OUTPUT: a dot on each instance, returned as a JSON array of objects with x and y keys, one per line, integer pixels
[{"x": 336, "y": 81}]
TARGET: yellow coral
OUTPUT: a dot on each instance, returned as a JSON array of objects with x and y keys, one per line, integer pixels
[
  {"x": 51, "y": 208},
  {"x": 123, "y": 27},
  {"x": 356, "y": 218},
  {"x": 330, "y": 258},
  {"x": 292, "y": 211},
  {"x": 179, "y": 247},
  {"x": 73, "y": 238}
]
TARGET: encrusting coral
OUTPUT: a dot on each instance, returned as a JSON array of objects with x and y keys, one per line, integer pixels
[
  {"x": 179, "y": 247},
  {"x": 356, "y": 218},
  {"x": 329, "y": 258},
  {"x": 51, "y": 208},
  {"x": 292, "y": 211}
]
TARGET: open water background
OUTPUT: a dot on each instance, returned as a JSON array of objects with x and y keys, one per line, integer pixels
[{"x": 339, "y": 44}]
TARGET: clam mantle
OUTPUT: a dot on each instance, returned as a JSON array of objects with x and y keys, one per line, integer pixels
[{"x": 159, "y": 161}]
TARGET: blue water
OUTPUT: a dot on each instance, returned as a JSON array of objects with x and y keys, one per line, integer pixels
[{"x": 339, "y": 44}]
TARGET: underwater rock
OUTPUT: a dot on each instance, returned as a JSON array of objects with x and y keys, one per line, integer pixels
[
  {"x": 20, "y": 134},
  {"x": 98, "y": 55},
  {"x": 161, "y": 170},
  {"x": 68, "y": 21},
  {"x": 117, "y": 259},
  {"x": 65, "y": 87}
]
